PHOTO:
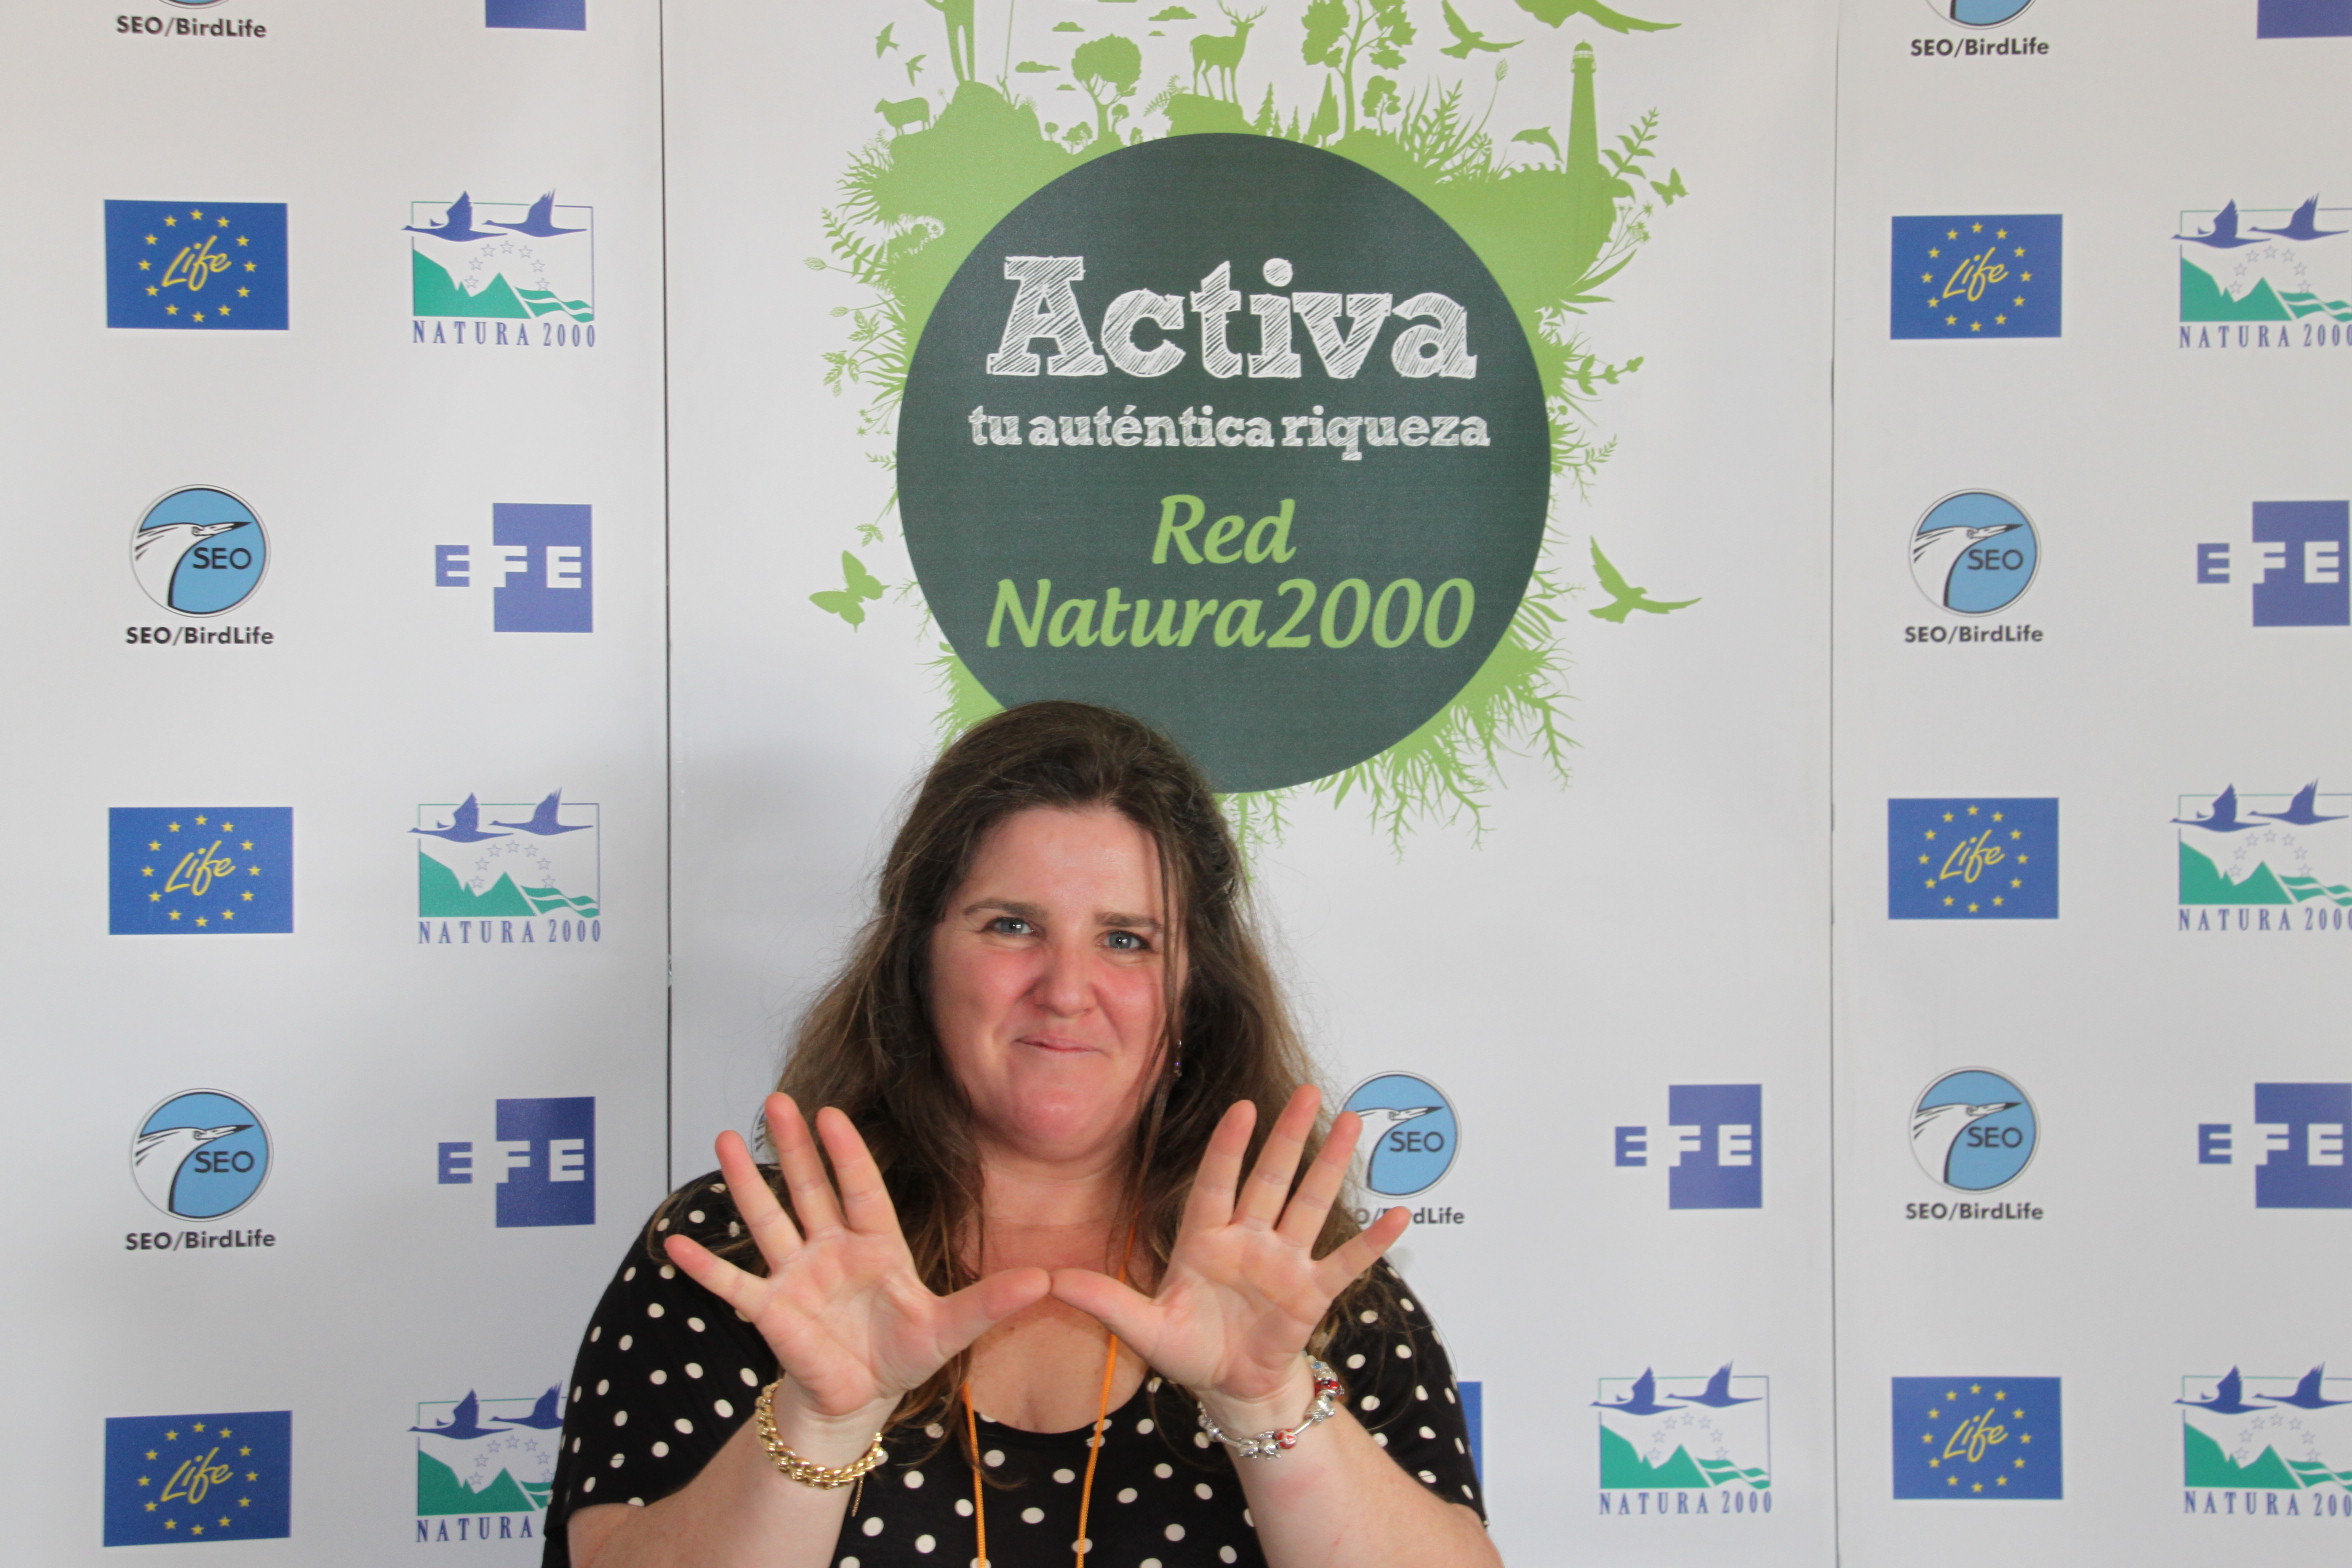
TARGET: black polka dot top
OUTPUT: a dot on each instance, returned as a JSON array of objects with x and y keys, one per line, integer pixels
[{"x": 668, "y": 1372}]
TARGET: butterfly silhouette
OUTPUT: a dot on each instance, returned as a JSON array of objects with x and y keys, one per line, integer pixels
[
  {"x": 858, "y": 584},
  {"x": 1672, "y": 188}
]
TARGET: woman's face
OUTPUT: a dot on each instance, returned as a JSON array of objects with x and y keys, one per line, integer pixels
[{"x": 1047, "y": 977}]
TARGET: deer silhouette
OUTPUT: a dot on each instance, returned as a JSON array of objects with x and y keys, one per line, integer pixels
[{"x": 1219, "y": 54}]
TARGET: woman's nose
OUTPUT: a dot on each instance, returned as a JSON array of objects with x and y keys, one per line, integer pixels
[{"x": 1063, "y": 987}]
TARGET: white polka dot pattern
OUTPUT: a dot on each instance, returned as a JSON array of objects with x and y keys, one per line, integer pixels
[{"x": 644, "y": 1411}]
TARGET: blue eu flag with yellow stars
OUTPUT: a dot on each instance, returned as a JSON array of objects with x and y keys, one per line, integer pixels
[
  {"x": 1973, "y": 857},
  {"x": 1978, "y": 276},
  {"x": 196, "y": 266},
  {"x": 200, "y": 870},
  {"x": 1979, "y": 1439},
  {"x": 199, "y": 1478}
]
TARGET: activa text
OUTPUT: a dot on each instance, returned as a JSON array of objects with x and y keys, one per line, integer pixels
[{"x": 1046, "y": 306}]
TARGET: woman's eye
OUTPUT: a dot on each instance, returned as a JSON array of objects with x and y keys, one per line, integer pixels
[
  {"x": 1011, "y": 925},
  {"x": 1127, "y": 942}
]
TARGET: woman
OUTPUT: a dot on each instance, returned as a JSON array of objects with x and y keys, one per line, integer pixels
[{"x": 1036, "y": 1312}]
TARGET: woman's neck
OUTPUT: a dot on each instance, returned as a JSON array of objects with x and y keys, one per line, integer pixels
[{"x": 1049, "y": 1214}]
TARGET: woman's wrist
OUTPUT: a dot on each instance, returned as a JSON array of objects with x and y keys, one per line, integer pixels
[
  {"x": 825, "y": 1439},
  {"x": 1247, "y": 1416}
]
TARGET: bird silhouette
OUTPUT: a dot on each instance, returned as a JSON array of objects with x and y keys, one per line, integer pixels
[
  {"x": 1936, "y": 1130},
  {"x": 542, "y": 1417},
  {"x": 543, "y": 821},
  {"x": 465, "y": 825},
  {"x": 1377, "y": 1120},
  {"x": 157, "y": 1157},
  {"x": 2223, "y": 818},
  {"x": 464, "y": 1421},
  {"x": 1641, "y": 1402},
  {"x": 2303, "y": 810},
  {"x": 915, "y": 68},
  {"x": 1936, "y": 552},
  {"x": 539, "y": 222},
  {"x": 2306, "y": 1395},
  {"x": 156, "y": 553},
  {"x": 457, "y": 224},
  {"x": 2225, "y": 1400},
  {"x": 1553, "y": 12},
  {"x": 1624, "y": 598},
  {"x": 1468, "y": 38},
  {"x": 2304, "y": 225},
  {"x": 2224, "y": 234},
  {"x": 1717, "y": 1394},
  {"x": 883, "y": 42}
]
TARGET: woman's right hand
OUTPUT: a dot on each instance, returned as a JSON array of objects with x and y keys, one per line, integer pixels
[{"x": 852, "y": 1324}]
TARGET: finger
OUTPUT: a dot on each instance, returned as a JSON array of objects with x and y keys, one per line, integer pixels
[
  {"x": 713, "y": 1273},
  {"x": 804, "y": 1172},
  {"x": 977, "y": 1308},
  {"x": 1211, "y": 1203},
  {"x": 1302, "y": 1222},
  {"x": 771, "y": 1229},
  {"x": 1359, "y": 1252},
  {"x": 864, "y": 1198},
  {"x": 1122, "y": 1309},
  {"x": 1262, "y": 1196}
]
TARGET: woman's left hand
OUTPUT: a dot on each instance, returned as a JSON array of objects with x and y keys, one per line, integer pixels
[{"x": 1244, "y": 1290}]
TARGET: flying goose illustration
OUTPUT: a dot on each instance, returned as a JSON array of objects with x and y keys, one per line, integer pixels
[
  {"x": 464, "y": 825},
  {"x": 2223, "y": 818},
  {"x": 1717, "y": 1394},
  {"x": 542, "y": 1417},
  {"x": 539, "y": 222},
  {"x": 463, "y": 1422},
  {"x": 2306, "y": 1395},
  {"x": 157, "y": 1157},
  {"x": 1641, "y": 1402},
  {"x": 2303, "y": 810},
  {"x": 2304, "y": 225},
  {"x": 156, "y": 552},
  {"x": 457, "y": 225},
  {"x": 543, "y": 822},
  {"x": 1936, "y": 1130},
  {"x": 2224, "y": 234},
  {"x": 2225, "y": 1400}
]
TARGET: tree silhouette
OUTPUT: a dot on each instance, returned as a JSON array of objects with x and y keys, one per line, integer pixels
[
  {"x": 1340, "y": 33},
  {"x": 1108, "y": 68}
]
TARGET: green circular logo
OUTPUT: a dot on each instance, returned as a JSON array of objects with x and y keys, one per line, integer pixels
[{"x": 1236, "y": 435}]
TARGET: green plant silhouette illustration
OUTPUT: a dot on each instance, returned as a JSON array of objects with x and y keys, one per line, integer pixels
[{"x": 938, "y": 174}]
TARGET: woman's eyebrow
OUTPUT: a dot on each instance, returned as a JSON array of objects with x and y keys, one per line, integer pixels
[
  {"x": 1010, "y": 906},
  {"x": 1127, "y": 922}
]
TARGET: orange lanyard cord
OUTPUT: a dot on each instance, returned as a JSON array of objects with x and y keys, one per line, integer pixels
[
  {"x": 979, "y": 1503},
  {"x": 1094, "y": 1444}
]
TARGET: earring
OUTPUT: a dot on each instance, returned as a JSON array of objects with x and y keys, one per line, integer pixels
[{"x": 1179, "y": 1069}]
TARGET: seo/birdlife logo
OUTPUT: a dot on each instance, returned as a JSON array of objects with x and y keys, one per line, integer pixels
[
  {"x": 1409, "y": 1139},
  {"x": 540, "y": 568},
  {"x": 2295, "y": 1144},
  {"x": 2294, "y": 563},
  {"x": 199, "y": 552},
  {"x": 542, "y": 1161},
  {"x": 200, "y": 1155},
  {"x": 1712, "y": 1146},
  {"x": 1973, "y": 1131},
  {"x": 1974, "y": 554}
]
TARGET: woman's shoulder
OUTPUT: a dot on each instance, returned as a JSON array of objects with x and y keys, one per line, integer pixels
[{"x": 702, "y": 1209}]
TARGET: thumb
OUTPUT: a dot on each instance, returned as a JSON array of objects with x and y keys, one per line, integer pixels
[
  {"x": 1120, "y": 1308},
  {"x": 979, "y": 1307}
]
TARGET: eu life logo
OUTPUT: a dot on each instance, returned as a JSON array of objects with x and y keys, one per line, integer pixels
[
  {"x": 540, "y": 568},
  {"x": 1712, "y": 1146},
  {"x": 543, "y": 1162},
  {"x": 2295, "y": 563},
  {"x": 2295, "y": 1144}
]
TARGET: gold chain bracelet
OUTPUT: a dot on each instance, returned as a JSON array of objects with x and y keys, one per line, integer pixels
[{"x": 807, "y": 1472}]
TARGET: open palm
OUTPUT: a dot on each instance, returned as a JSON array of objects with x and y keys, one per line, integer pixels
[
  {"x": 852, "y": 1324},
  {"x": 1243, "y": 1289}
]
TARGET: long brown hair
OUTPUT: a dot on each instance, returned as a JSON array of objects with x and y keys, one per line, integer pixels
[{"x": 867, "y": 1045}]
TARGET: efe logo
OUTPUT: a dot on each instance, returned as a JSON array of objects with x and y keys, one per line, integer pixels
[
  {"x": 1713, "y": 1146},
  {"x": 2295, "y": 1144},
  {"x": 540, "y": 566},
  {"x": 2295, "y": 562},
  {"x": 543, "y": 1162}
]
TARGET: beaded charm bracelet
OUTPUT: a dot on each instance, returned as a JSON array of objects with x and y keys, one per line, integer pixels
[
  {"x": 1266, "y": 1445},
  {"x": 807, "y": 1472}
]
